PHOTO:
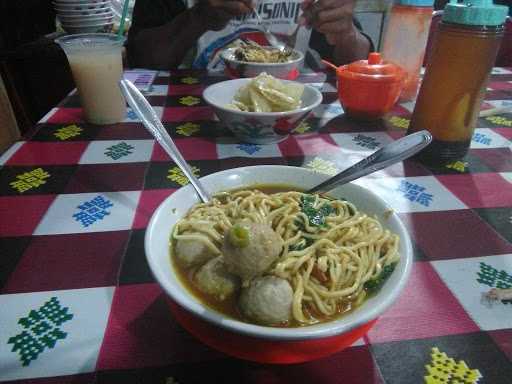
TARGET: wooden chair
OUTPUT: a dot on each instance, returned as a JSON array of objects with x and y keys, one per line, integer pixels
[
  {"x": 37, "y": 77},
  {"x": 9, "y": 131},
  {"x": 34, "y": 69}
]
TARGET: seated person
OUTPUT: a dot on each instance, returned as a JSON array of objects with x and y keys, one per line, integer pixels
[{"x": 168, "y": 33}]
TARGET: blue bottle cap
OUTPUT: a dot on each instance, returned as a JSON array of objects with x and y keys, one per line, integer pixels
[
  {"x": 416, "y": 3},
  {"x": 475, "y": 12}
]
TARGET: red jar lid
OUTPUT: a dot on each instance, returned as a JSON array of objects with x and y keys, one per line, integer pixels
[{"x": 372, "y": 69}]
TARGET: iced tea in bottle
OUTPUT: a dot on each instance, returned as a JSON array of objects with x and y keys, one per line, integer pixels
[{"x": 463, "y": 54}]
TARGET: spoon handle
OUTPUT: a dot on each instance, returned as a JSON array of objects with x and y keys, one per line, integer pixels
[
  {"x": 392, "y": 153},
  {"x": 271, "y": 38},
  {"x": 146, "y": 113}
]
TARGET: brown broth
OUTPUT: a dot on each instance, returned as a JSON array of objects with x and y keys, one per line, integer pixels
[{"x": 229, "y": 306}]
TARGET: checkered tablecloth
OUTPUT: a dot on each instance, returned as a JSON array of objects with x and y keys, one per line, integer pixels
[{"x": 79, "y": 305}]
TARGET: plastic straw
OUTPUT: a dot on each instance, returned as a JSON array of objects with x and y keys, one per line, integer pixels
[{"x": 120, "y": 32}]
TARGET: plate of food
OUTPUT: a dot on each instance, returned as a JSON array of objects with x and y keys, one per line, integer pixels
[
  {"x": 269, "y": 273},
  {"x": 263, "y": 109},
  {"x": 249, "y": 59}
]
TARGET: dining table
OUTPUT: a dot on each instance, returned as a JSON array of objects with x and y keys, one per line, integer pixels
[{"x": 78, "y": 303}]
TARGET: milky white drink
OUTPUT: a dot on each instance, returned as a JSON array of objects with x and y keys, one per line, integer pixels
[{"x": 96, "y": 64}]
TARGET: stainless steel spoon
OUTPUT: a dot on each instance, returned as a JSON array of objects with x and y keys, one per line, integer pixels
[
  {"x": 145, "y": 112},
  {"x": 392, "y": 153},
  {"x": 271, "y": 38}
]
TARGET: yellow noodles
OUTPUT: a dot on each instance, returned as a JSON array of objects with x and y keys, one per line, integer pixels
[
  {"x": 327, "y": 261},
  {"x": 254, "y": 53}
]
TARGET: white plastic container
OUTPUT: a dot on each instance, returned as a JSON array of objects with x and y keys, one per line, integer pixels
[{"x": 405, "y": 40}]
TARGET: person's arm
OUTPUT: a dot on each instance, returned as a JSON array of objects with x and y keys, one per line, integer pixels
[
  {"x": 165, "y": 46},
  {"x": 334, "y": 20},
  {"x": 163, "y": 31},
  {"x": 351, "y": 46}
]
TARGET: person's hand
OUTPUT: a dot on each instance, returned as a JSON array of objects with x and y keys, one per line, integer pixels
[
  {"x": 333, "y": 18},
  {"x": 217, "y": 13}
]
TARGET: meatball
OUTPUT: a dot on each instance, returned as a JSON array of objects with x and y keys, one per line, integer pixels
[
  {"x": 268, "y": 300},
  {"x": 213, "y": 278},
  {"x": 190, "y": 252},
  {"x": 249, "y": 249}
]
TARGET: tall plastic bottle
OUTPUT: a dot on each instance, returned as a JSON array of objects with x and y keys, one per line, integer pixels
[
  {"x": 463, "y": 53},
  {"x": 405, "y": 40}
]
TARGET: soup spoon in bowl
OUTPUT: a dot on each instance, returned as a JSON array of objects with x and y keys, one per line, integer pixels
[{"x": 392, "y": 153}]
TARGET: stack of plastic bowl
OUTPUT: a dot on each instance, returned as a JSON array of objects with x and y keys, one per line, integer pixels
[{"x": 84, "y": 16}]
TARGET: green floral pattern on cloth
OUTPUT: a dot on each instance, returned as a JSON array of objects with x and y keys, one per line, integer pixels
[
  {"x": 119, "y": 150},
  {"x": 490, "y": 276},
  {"x": 40, "y": 330}
]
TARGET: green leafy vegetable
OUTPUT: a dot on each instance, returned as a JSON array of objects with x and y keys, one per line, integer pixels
[
  {"x": 315, "y": 216},
  {"x": 375, "y": 284},
  {"x": 302, "y": 244}
]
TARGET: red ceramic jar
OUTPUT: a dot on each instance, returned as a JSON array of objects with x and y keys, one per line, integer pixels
[{"x": 368, "y": 89}]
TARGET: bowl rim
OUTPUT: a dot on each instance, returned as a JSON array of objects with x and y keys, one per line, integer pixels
[
  {"x": 85, "y": 28},
  {"x": 84, "y": 7},
  {"x": 80, "y": 13},
  {"x": 71, "y": 10},
  {"x": 105, "y": 15},
  {"x": 94, "y": 23},
  {"x": 80, "y": 3},
  {"x": 316, "y": 103},
  {"x": 318, "y": 331},
  {"x": 224, "y": 57},
  {"x": 86, "y": 20}
]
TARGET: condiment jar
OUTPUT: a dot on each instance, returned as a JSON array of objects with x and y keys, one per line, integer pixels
[{"x": 368, "y": 89}]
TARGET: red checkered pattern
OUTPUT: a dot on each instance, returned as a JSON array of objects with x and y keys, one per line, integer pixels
[{"x": 77, "y": 235}]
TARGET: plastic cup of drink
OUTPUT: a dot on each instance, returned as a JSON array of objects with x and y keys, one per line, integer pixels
[{"x": 96, "y": 64}]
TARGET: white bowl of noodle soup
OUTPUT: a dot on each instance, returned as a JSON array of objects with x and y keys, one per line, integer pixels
[
  {"x": 264, "y": 343},
  {"x": 258, "y": 127}
]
